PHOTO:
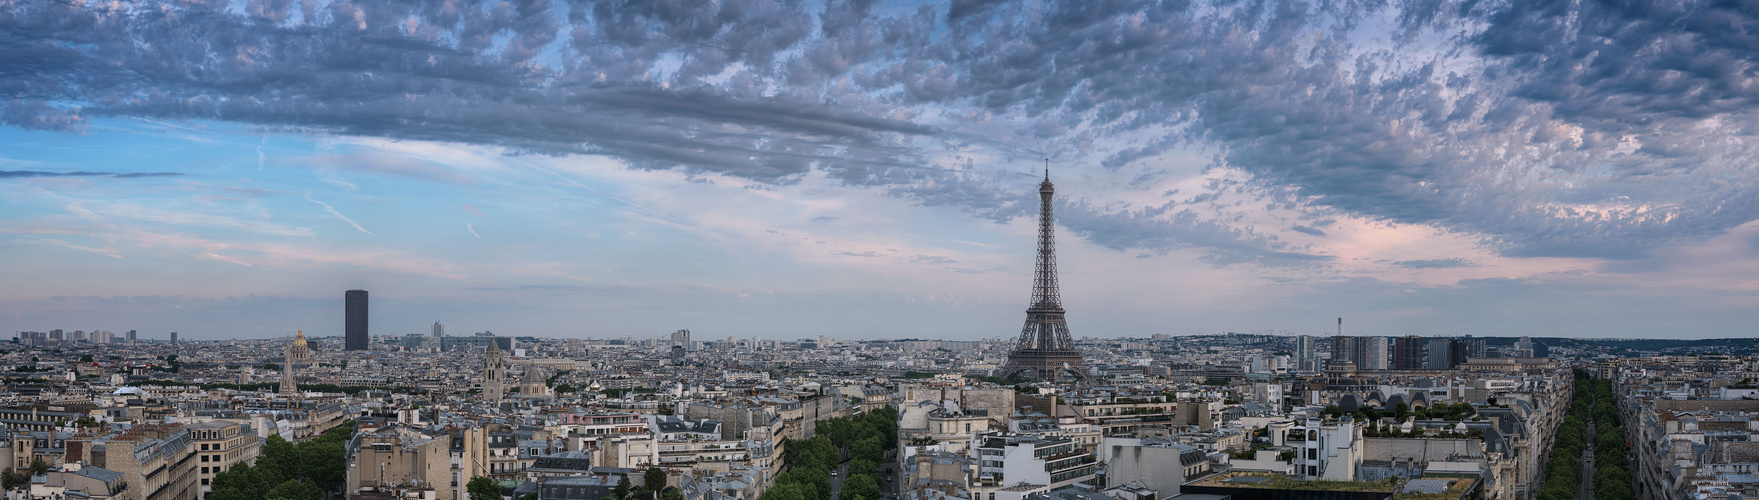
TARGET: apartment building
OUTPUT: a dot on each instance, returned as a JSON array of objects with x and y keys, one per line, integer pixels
[
  {"x": 1326, "y": 448},
  {"x": 73, "y": 481},
  {"x": 440, "y": 459},
  {"x": 158, "y": 461},
  {"x": 1693, "y": 448},
  {"x": 1121, "y": 418},
  {"x": 1159, "y": 464},
  {"x": 219, "y": 444},
  {"x": 944, "y": 423},
  {"x": 396, "y": 456},
  {"x": 1011, "y": 459}
]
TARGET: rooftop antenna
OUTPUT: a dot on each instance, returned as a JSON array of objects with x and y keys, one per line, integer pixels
[
  {"x": 1047, "y": 169},
  {"x": 1340, "y": 326}
]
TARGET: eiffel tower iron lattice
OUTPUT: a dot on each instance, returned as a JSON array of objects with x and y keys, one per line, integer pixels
[{"x": 1045, "y": 350}]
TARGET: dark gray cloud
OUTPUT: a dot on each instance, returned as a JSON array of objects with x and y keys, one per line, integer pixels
[
  {"x": 1462, "y": 137},
  {"x": 1166, "y": 227},
  {"x": 19, "y": 174},
  {"x": 1548, "y": 128},
  {"x": 468, "y": 72}
]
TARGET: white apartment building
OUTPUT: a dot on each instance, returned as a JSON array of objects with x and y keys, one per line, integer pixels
[
  {"x": 1324, "y": 448},
  {"x": 1011, "y": 459}
]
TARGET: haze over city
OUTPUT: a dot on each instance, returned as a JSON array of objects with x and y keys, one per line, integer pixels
[{"x": 868, "y": 169}]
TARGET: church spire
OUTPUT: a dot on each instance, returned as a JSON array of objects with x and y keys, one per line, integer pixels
[{"x": 494, "y": 374}]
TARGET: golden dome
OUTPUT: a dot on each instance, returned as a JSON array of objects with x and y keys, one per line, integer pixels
[{"x": 300, "y": 339}]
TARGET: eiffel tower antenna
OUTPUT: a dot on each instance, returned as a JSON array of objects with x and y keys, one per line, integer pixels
[{"x": 1045, "y": 350}]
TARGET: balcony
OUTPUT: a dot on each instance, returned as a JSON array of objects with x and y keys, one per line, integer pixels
[{"x": 1055, "y": 467}]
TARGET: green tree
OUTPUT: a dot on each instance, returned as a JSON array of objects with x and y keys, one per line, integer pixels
[
  {"x": 786, "y": 491},
  {"x": 815, "y": 477},
  {"x": 483, "y": 488},
  {"x": 654, "y": 479},
  {"x": 293, "y": 489},
  {"x": 38, "y": 466},
  {"x": 231, "y": 493},
  {"x": 324, "y": 463},
  {"x": 860, "y": 486},
  {"x": 862, "y": 466},
  {"x": 9, "y": 479},
  {"x": 622, "y": 490},
  {"x": 869, "y": 449},
  {"x": 243, "y": 482},
  {"x": 278, "y": 457}
]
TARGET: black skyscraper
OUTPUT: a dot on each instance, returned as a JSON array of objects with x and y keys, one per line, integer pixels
[
  {"x": 356, "y": 321},
  {"x": 1408, "y": 353}
]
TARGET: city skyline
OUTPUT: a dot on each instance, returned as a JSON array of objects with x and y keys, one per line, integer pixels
[
  {"x": 781, "y": 249},
  {"x": 830, "y": 169}
]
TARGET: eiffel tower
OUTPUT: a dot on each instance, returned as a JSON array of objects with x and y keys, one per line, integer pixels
[{"x": 1045, "y": 349}]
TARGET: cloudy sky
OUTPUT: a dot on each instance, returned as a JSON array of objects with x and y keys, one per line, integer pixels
[{"x": 867, "y": 169}]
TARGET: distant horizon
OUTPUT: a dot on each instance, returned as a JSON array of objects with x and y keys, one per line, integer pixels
[{"x": 164, "y": 336}]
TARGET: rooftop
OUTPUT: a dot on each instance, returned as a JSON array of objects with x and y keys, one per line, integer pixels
[{"x": 1244, "y": 479}]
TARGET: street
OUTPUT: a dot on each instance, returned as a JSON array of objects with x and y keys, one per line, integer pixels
[
  {"x": 837, "y": 480},
  {"x": 1586, "y": 491}
]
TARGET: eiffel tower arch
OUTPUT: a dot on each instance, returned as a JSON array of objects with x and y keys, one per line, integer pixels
[{"x": 1045, "y": 350}]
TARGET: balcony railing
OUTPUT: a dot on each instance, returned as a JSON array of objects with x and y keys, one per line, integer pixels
[{"x": 1072, "y": 464}]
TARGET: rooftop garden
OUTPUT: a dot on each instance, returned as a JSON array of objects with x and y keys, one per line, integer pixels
[
  {"x": 1272, "y": 481},
  {"x": 1454, "y": 491},
  {"x": 1245, "y": 454}
]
